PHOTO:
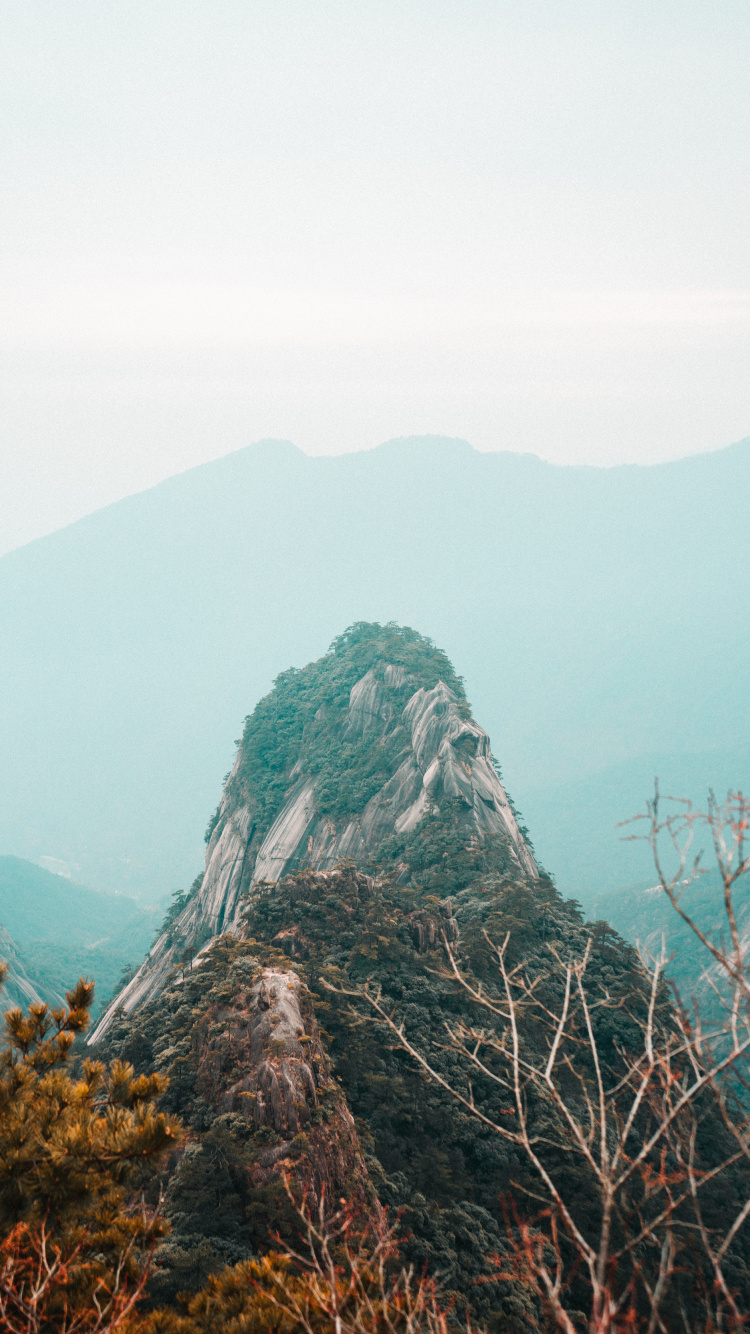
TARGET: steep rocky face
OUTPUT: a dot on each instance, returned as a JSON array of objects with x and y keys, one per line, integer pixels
[
  {"x": 364, "y": 828},
  {"x": 262, "y": 1058},
  {"x": 334, "y": 764}
]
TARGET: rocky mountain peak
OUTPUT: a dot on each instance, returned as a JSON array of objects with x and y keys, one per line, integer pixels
[{"x": 340, "y": 759}]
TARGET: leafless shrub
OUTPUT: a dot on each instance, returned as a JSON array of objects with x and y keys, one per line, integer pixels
[
  {"x": 342, "y": 1277},
  {"x": 350, "y": 1279},
  {"x": 645, "y": 1133},
  {"x": 38, "y": 1287}
]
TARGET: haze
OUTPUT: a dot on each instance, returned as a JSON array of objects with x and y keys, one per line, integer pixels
[{"x": 521, "y": 224}]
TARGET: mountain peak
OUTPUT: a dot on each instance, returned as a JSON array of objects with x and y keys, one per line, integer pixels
[{"x": 345, "y": 759}]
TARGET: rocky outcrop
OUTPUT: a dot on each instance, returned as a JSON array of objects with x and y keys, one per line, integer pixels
[
  {"x": 429, "y": 929},
  {"x": 267, "y": 1063},
  {"x": 440, "y": 758},
  {"x": 283, "y": 1059}
]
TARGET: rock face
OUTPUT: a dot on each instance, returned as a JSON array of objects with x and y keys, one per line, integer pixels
[
  {"x": 417, "y": 736},
  {"x": 266, "y": 1062},
  {"x": 237, "y": 1036}
]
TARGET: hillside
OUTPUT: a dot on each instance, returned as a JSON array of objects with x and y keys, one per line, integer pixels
[
  {"x": 60, "y": 929},
  {"x": 363, "y": 826},
  {"x": 594, "y": 611},
  {"x": 578, "y": 825}
]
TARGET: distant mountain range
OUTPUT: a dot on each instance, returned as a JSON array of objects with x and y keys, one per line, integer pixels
[
  {"x": 52, "y": 930},
  {"x": 578, "y": 826},
  {"x": 599, "y": 616},
  {"x": 644, "y": 915}
]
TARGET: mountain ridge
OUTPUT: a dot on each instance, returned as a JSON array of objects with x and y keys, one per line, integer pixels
[
  {"x": 278, "y": 448},
  {"x": 259, "y": 1025},
  {"x": 273, "y": 1079}
]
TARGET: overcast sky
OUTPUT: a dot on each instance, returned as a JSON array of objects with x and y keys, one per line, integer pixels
[{"x": 524, "y": 223}]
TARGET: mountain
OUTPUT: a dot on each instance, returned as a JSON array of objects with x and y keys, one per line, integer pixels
[
  {"x": 342, "y": 759},
  {"x": 643, "y": 915},
  {"x": 598, "y": 615},
  {"x": 363, "y": 827},
  {"x": 53, "y": 930},
  {"x": 362, "y": 822}
]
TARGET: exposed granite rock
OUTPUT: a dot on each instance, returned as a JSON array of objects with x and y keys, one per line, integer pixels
[
  {"x": 262, "y": 1057},
  {"x": 440, "y": 756},
  {"x": 287, "y": 832}
]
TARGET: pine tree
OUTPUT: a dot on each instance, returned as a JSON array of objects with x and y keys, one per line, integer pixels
[
  {"x": 76, "y": 1250},
  {"x": 344, "y": 1278}
]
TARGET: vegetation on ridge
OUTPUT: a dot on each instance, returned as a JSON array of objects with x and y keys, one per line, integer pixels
[
  {"x": 426, "y": 1158},
  {"x": 301, "y": 718},
  {"x": 78, "y": 1245}
]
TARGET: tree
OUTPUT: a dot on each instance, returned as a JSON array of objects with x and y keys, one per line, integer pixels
[
  {"x": 719, "y": 1049},
  {"x": 344, "y": 1278},
  {"x": 76, "y": 1252},
  {"x": 633, "y": 1098}
]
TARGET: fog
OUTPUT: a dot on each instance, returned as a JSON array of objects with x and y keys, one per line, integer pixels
[{"x": 524, "y": 225}]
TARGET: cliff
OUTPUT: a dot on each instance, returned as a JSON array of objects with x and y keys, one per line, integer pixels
[{"x": 341, "y": 758}]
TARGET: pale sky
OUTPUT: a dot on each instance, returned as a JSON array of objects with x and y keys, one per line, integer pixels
[{"x": 522, "y": 222}]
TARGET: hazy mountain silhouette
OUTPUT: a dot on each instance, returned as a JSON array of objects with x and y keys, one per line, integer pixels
[{"x": 599, "y": 615}]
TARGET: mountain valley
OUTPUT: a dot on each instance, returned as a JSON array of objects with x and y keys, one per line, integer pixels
[{"x": 56, "y": 930}]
